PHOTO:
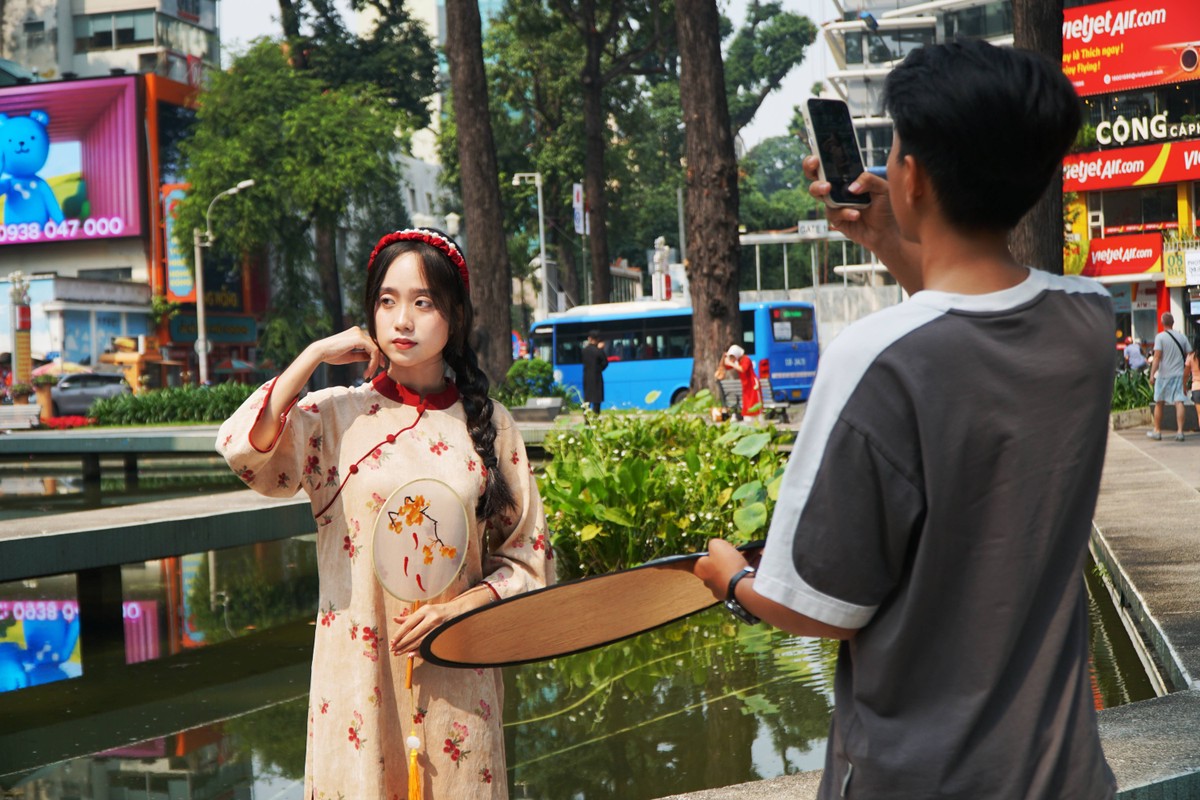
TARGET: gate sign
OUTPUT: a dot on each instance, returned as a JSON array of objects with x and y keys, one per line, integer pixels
[
  {"x": 1124, "y": 255},
  {"x": 1130, "y": 44}
]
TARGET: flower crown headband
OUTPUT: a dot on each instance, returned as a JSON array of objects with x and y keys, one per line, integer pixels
[{"x": 431, "y": 237}]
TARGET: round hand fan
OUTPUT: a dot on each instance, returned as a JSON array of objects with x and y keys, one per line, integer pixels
[{"x": 420, "y": 540}]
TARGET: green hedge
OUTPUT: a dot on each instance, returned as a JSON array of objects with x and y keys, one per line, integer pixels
[
  {"x": 1132, "y": 389},
  {"x": 176, "y": 404},
  {"x": 627, "y": 488}
]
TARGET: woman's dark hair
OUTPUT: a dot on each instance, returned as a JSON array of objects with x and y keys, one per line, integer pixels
[{"x": 449, "y": 297}]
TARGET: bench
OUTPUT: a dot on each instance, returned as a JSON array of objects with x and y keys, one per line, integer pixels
[
  {"x": 731, "y": 398},
  {"x": 15, "y": 416},
  {"x": 771, "y": 407}
]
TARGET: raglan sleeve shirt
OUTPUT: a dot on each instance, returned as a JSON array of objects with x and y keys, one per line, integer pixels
[{"x": 852, "y": 495}]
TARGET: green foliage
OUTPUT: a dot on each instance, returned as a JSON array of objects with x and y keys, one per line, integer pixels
[
  {"x": 1132, "y": 389},
  {"x": 532, "y": 377},
  {"x": 628, "y": 488},
  {"x": 162, "y": 309},
  {"x": 175, "y": 404},
  {"x": 313, "y": 152},
  {"x": 48, "y": 379},
  {"x": 770, "y": 43}
]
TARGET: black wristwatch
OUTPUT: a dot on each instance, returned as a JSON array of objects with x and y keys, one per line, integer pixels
[{"x": 731, "y": 601}]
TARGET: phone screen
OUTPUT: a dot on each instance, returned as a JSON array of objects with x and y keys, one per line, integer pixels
[{"x": 837, "y": 147}]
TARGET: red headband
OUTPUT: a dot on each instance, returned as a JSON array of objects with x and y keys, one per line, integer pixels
[{"x": 430, "y": 237}]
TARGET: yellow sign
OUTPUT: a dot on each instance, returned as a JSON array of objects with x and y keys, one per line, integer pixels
[
  {"x": 22, "y": 359},
  {"x": 1174, "y": 268}
]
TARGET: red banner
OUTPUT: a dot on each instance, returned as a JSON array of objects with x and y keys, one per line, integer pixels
[
  {"x": 24, "y": 321},
  {"x": 1124, "y": 255},
  {"x": 1130, "y": 44},
  {"x": 1172, "y": 162}
]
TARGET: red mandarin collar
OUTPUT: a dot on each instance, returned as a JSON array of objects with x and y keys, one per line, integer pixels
[{"x": 402, "y": 394}]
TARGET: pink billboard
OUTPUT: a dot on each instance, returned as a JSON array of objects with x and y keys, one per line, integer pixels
[
  {"x": 69, "y": 161},
  {"x": 1131, "y": 44}
]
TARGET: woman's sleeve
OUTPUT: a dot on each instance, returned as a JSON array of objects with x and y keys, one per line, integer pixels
[
  {"x": 523, "y": 561},
  {"x": 293, "y": 460}
]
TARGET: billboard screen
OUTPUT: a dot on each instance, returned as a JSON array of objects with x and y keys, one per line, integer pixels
[
  {"x": 1124, "y": 255},
  {"x": 1147, "y": 165},
  {"x": 69, "y": 161},
  {"x": 1131, "y": 44}
]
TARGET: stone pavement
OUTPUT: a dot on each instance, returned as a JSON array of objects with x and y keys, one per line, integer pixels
[{"x": 1147, "y": 535}]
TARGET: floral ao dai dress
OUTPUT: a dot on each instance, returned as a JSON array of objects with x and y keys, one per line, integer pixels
[{"x": 349, "y": 450}]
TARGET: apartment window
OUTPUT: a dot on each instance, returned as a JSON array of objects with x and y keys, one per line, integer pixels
[
  {"x": 1137, "y": 210},
  {"x": 109, "y": 31},
  {"x": 979, "y": 22}
]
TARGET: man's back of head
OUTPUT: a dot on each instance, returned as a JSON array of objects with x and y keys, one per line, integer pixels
[{"x": 989, "y": 124}]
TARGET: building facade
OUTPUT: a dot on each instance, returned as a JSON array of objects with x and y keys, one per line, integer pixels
[{"x": 1132, "y": 187}]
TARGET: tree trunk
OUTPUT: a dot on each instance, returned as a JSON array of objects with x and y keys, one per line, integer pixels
[
  {"x": 331, "y": 293},
  {"x": 712, "y": 189},
  {"x": 564, "y": 249},
  {"x": 491, "y": 282},
  {"x": 593, "y": 168},
  {"x": 1037, "y": 241}
]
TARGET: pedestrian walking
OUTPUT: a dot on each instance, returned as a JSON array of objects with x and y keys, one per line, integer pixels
[
  {"x": 1166, "y": 375},
  {"x": 594, "y": 364}
]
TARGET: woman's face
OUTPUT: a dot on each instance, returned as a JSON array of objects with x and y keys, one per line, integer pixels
[{"x": 409, "y": 329}]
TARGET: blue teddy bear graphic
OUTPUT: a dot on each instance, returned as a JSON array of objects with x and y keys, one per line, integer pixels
[{"x": 24, "y": 147}]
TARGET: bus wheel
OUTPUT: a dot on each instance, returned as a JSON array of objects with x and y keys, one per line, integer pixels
[{"x": 679, "y": 396}]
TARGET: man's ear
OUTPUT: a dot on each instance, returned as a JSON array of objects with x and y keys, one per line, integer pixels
[{"x": 916, "y": 180}]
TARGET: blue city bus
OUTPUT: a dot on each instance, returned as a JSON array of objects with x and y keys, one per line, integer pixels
[{"x": 649, "y": 348}]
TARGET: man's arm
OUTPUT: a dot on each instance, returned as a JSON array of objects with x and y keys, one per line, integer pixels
[
  {"x": 724, "y": 561},
  {"x": 1154, "y": 363}
]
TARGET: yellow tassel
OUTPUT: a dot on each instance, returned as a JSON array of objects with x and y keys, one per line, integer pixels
[
  {"x": 414, "y": 771},
  {"x": 414, "y": 777}
]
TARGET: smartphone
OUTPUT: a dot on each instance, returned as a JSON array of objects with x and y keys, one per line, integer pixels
[{"x": 831, "y": 134}]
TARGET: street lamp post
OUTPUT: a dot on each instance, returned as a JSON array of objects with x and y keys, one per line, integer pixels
[
  {"x": 200, "y": 240},
  {"x": 543, "y": 270}
]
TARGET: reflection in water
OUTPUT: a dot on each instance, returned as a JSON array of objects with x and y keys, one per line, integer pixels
[
  {"x": 705, "y": 702},
  {"x": 702, "y": 703},
  {"x": 37, "y": 490}
]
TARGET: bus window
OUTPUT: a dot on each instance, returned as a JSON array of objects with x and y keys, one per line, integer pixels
[
  {"x": 792, "y": 325},
  {"x": 543, "y": 345},
  {"x": 748, "y": 332},
  {"x": 570, "y": 346}
]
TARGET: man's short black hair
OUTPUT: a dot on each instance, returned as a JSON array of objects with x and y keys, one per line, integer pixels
[
  {"x": 594, "y": 334},
  {"x": 989, "y": 124}
]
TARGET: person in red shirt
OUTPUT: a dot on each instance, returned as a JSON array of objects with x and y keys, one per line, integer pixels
[{"x": 736, "y": 359}]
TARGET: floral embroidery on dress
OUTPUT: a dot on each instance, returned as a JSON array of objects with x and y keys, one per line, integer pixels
[
  {"x": 484, "y": 711},
  {"x": 312, "y": 469},
  {"x": 329, "y": 615},
  {"x": 370, "y": 638},
  {"x": 355, "y": 727},
  {"x": 349, "y": 545},
  {"x": 419, "y": 717},
  {"x": 247, "y": 475},
  {"x": 311, "y": 408},
  {"x": 485, "y": 775},
  {"x": 373, "y": 410},
  {"x": 375, "y": 458},
  {"x": 225, "y": 443},
  {"x": 354, "y": 629},
  {"x": 516, "y": 459},
  {"x": 470, "y": 465},
  {"x": 439, "y": 447},
  {"x": 283, "y": 480},
  {"x": 314, "y": 442},
  {"x": 375, "y": 503},
  {"x": 454, "y": 744},
  {"x": 376, "y": 698},
  {"x": 324, "y": 705}
]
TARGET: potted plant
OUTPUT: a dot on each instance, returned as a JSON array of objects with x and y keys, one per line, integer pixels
[
  {"x": 41, "y": 386},
  {"x": 20, "y": 393}
]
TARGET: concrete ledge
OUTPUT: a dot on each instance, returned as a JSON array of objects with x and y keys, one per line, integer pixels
[{"x": 51, "y": 545}]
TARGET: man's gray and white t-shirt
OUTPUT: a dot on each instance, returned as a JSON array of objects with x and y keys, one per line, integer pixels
[
  {"x": 939, "y": 500},
  {"x": 1174, "y": 347}
]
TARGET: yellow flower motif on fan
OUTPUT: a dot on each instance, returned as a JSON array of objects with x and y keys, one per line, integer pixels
[
  {"x": 449, "y": 552},
  {"x": 412, "y": 509},
  {"x": 428, "y": 551}
]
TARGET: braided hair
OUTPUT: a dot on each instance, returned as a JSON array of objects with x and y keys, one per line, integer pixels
[{"x": 449, "y": 295}]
